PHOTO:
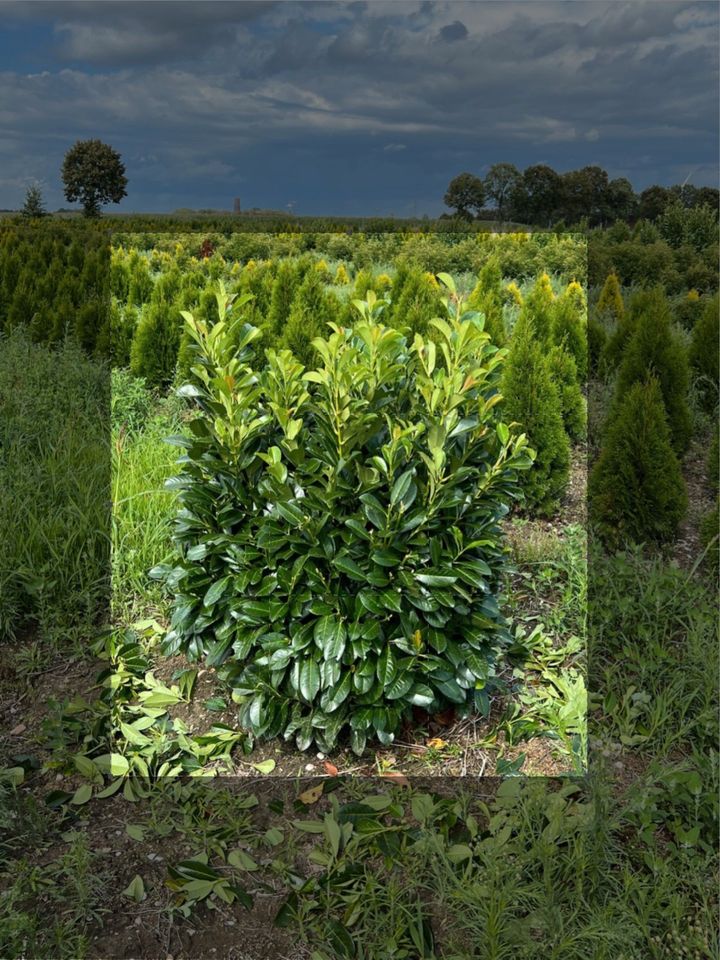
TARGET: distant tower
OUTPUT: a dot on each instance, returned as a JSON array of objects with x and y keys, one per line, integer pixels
[{"x": 236, "y": 205}]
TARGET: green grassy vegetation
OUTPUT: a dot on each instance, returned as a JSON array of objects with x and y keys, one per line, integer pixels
[
  {"x": 55, "y": 481},
  {"x": 142, "y": 506}
]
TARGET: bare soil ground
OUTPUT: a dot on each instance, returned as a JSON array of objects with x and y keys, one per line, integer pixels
[{"x": 688, "y": 547}]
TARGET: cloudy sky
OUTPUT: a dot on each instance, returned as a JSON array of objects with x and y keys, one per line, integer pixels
[{"x": 353, "y": 108}]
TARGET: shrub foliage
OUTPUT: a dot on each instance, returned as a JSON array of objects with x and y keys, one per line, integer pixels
[{"x": 339, "y": 534}]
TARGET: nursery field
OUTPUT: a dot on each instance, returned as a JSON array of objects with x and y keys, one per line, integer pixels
[{"x": 358, "y": 596}]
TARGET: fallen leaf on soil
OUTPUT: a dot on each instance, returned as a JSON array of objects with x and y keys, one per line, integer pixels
[
  {"x": 264, "y": 766},
  {"x": 136, "y": 889},
  {"x": 312, "y": 795},
  {"x": 396, "y": 777},
  {"x": 331, "y": 768},
  {"x": 436, "y": 743},
  {"x": 18, "y": 729}
]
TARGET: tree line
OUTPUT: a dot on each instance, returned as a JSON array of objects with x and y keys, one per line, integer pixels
[
  {"x": 541, "y": 196},
  {"x": 94, "y": 174}
]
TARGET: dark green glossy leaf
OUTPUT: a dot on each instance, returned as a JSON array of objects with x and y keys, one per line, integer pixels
[
  {"x": 421, "y": 695},
  {"x": 309, "y": 679},
  {"x": 330, "y": 635},
  {"x": 399, "y": 686},
  {"x": 349, "y": 567},
  {"x": 216, "y": 591}
]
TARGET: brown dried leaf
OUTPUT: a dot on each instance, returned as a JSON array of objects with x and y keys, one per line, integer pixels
[
  {"x": 399, "y": 778},
  {"x": 312, "y": 794}
]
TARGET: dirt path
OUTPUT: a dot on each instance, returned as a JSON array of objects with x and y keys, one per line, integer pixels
[{"x": 688, "y": 546}]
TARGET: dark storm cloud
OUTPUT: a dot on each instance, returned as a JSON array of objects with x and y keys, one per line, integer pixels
[
  {"x": 395, "y": 94},
  {"x": 454, "y": 31}
]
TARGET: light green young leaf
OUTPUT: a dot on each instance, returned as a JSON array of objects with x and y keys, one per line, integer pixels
[
  {"x": 113, "y": 763},
  {"x": 264, "y": 766},
  {"x": 135, "y": 890}
]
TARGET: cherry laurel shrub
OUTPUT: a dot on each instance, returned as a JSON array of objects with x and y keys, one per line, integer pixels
[{"x": 341, "y": 555}]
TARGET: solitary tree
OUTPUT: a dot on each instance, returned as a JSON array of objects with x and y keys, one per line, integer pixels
[
  {"x": 34, "y": 207},
  {"x": 465, "y": 193},
  {"x": 94, "y": 174}
]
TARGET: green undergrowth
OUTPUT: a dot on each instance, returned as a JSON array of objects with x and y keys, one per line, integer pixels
[
  {"x": 55, "y": 482},
  {"x": 570, "y": 868},
  {"x": 143, "y": 508},
  {"x": 529, "y": 869},
  {"x": 548, "y": 606},
  {"x": 653, "y": 653}
]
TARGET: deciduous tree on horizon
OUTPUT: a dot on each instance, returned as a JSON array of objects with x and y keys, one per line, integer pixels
[
  {"x": 94, "y": 174},
  {"x": 465, "y": 193}
]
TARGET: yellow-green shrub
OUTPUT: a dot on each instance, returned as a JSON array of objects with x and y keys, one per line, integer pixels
[{"x": 532, "y": 399}]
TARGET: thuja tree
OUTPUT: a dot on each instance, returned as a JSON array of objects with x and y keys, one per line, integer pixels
[
  {"x": 364, "y": 281},
  {"x": 610, "y": 299},
  {"x": 572, "y": 402},
  {"x": 486, "y": 297},
  {"x": 339, "y": 538},
  {"x": 155, "y": 344},
  {"x": 614, "y": 349},
  {"x": 569, "y": 326},
  {"x": 257, "y": 283},
  {"x": 418, "y": 303},
  {"x": 636, "y": 490},
  {"x": 655, "y": 349},
  {"x": 283, "y": 291},
  {"x": 538, "y": 308},
  {"x": 533, "y": 400},
  {"x": 704, "y": 353},
  {"x": 313, "y": 308}
]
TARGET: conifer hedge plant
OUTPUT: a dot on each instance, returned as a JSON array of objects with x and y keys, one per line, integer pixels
[{"x": 340, "y": 554}]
